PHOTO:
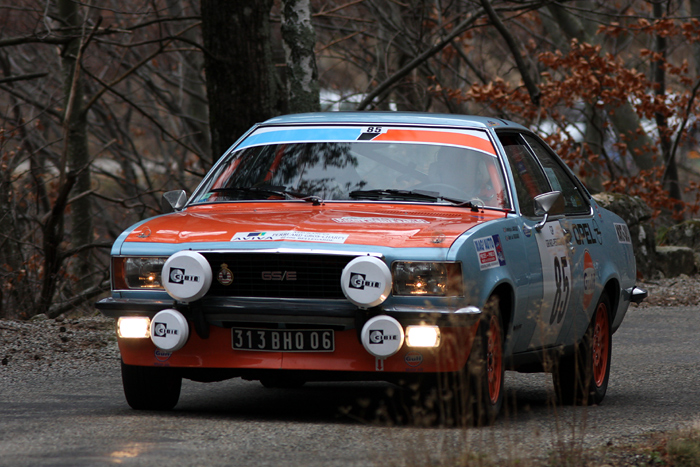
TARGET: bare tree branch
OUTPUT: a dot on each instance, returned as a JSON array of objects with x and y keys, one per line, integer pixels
[
  {"x": 416, "y": 62},
  {"x": 515, "y": 50},
  {"x": 27, "y": 77}
]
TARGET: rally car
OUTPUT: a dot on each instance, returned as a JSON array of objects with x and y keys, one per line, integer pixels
[{"x": 375, "y": 246}]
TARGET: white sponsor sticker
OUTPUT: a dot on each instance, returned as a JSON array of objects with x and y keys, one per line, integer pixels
[
  {"x": 490, "y": 252},
  {"x": 623, "y": 233},
  {"x": 377, "y": 220},
  {"x": 292, "y": 235}
]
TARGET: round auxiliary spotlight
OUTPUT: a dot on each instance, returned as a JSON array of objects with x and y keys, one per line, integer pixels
[
  {"x": 366, "y": 281},
  {"x": 382, "y": 336},
  {"x": 169, "y": 330},
  {"x": 186, "y": 276}
]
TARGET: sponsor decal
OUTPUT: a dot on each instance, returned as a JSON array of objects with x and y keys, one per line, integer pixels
[
  {"x": 598, "y": 233},
  {"x": 413, "y": 359},
  {"x": 377, "y": 220},
  {"x": 588, "y": 279},
  {"x": 178, "y": 276},
  {"x": 527, "y": 231},
  {"x": 161, "y": 330},
  {"x": 623, "y": 233},
  {"x": 162, "y": 355},
  {"x": 359, "y": 281},
  {"x": 490, "y": 252},
  {"x": 225, "y": 276},
  {"x": 583, "y": 234},
  {"x": 290, "y": 235},
  {"x": 377, "y": 336},
  {"x": 511, "y": 233}
]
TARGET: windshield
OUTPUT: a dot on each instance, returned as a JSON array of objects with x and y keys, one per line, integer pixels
[{"x": 357, "y": 170}]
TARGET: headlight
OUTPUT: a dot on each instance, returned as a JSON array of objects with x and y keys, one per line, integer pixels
[
  {"x": 427, "y": 278},
  {"x": 137, "y": 272},
  {"x": 134, "y": 327},
  {"x": 422, "y": 336}
]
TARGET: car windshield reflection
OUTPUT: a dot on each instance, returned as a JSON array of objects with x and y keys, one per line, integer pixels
[{"x": 344, "y": 171}]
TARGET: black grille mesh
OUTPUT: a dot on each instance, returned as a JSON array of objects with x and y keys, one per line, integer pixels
[{"x": 278, "y": 275}]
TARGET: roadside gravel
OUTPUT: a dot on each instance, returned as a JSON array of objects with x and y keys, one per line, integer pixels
[
  {"x": 65, "y": 346},
  {"x": 675, "y": 291}
]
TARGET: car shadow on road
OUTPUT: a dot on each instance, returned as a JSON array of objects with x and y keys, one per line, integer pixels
[{"x": 373, "y": 403}]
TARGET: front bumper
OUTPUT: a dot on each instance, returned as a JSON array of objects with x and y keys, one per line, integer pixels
[
  {"x": 223, "y": 311},
  {"x": 211, "y": 345}
]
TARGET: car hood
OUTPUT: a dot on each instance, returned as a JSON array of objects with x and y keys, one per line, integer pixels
[{"x": 347, "y": 223}]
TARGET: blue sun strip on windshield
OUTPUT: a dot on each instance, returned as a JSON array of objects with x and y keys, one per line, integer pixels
[{"x": 301, "y": 135}]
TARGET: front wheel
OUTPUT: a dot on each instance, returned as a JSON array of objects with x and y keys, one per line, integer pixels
[
  {"x": 486, "y": 368},
  {"x": 150, "y": 388},
  {"x": 582, "y": 378},
  {"x": 472, "y": 396}
]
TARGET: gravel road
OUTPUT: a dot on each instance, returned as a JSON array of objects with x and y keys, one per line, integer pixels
[{"x": 61, "y": 404}]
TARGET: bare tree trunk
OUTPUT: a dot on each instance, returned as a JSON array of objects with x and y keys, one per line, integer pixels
[
  {"x": 695, "y": 13},
  {"x": 299, "y": 42},
  {"x": 659, "y": 75},
  {"x": 191, "y": 64},
  {"x": 76, "y": 145},
  {"x": 239, "y": 68}
]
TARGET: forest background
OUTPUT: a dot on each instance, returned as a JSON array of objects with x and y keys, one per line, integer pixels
[{"x": 106, "y": 104}]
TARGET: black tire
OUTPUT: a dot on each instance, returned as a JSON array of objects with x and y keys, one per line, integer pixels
[
  {"x": 151, "y": 388},
  {"x": 474, "y": 396},
  {"x": 486, "y": 367},
  {"x": 582, "y": 378}
]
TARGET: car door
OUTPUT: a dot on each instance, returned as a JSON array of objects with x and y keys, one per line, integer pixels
[
  {"x": 570, "y": 283},
  {"x": 555, "y": 282}
]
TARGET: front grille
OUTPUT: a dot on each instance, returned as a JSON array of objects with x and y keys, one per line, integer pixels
[{"x": 277, "y": 275}]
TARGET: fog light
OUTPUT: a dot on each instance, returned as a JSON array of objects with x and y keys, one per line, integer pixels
[
  {"x": 422, "y": 336},
  {"x": 134, "y": 327}
]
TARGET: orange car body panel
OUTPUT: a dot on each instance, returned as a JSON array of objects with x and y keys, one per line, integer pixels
[
  {"x": 349, "y": 355},
  {"x": 410, "y": 227}
]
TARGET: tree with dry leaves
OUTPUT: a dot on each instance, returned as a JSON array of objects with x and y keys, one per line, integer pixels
[{"x": 103, "y": 106}]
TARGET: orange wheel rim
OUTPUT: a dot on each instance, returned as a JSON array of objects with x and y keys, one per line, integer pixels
[
  {"x": 601, "y": 350},
  {"x": 494, "y": 360}
]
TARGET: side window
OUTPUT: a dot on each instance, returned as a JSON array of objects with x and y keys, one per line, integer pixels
[
  {"x": 530, "y": 181},
  {"x": 559, "y": 179}
]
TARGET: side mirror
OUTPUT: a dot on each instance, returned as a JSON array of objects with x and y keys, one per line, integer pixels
[
  {"x": 547, "y": 204},
  {"x": 173, "y": 201}
]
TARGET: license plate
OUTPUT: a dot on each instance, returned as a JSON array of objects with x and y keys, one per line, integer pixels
[{"x": 283, "y": 340}]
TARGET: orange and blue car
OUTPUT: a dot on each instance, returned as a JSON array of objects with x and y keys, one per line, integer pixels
[{"x": 375, "y": 246}]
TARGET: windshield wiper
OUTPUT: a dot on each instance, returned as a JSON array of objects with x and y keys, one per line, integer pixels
[
  {"x": 413, "y": 195},
  {"x": 395, "y": 194},
  {"x": 265, "y": 189}
]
